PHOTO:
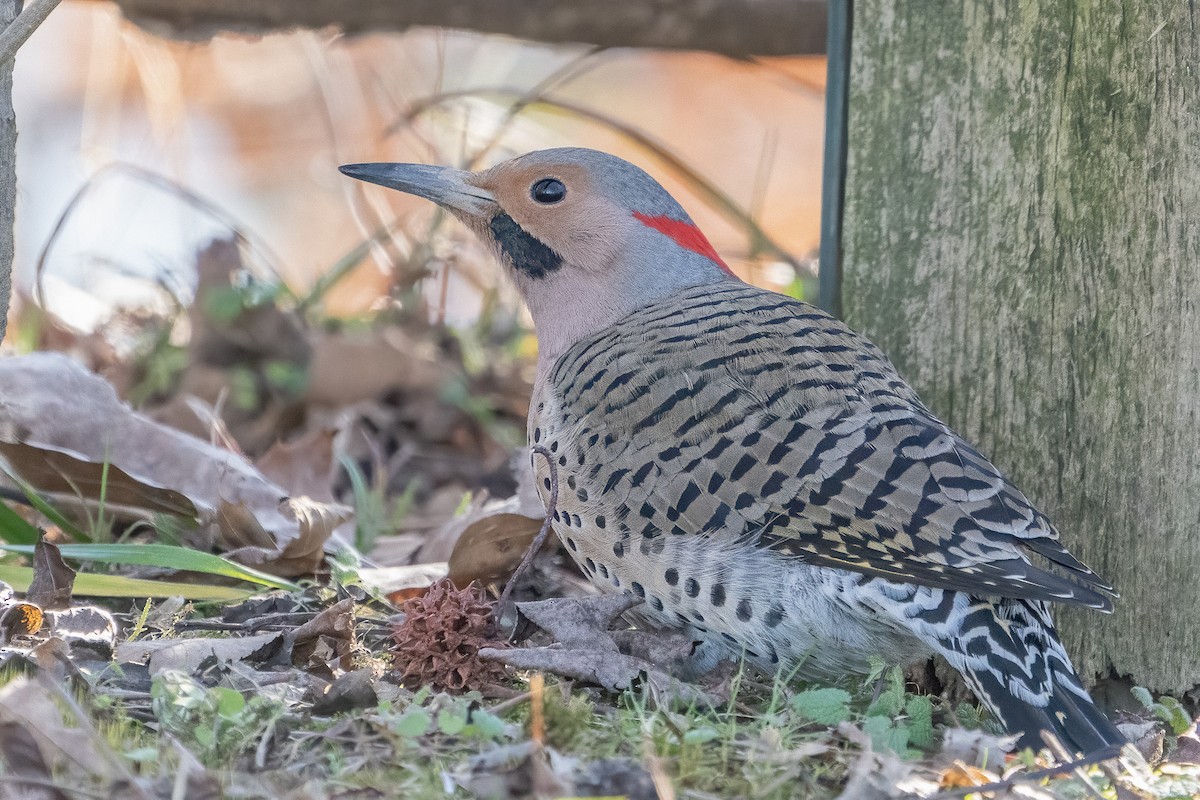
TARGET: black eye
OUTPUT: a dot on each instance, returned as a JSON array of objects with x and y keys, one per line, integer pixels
[{"x": 548, "y": 190}]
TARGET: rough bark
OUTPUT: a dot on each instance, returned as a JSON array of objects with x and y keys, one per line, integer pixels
[
  {"x": 1022, "y": 236},
  {"x": 8, "y": 169},
  {"x": 732, "y": 27}
]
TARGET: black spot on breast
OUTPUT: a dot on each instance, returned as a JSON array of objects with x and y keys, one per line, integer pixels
[
  {"x": 672, "y": 576},
  {"x": 718, "y": 594},
  {"x": 527, "y": 253},
  {"x": 743, "y": 610},
  {"x": 691, "y": 587}
]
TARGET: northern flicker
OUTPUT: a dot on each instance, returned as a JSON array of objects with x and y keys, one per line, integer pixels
[{"x": 753, "y": 469}]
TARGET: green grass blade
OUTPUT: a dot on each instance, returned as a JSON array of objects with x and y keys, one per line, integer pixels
[
  {"x": 48, "y": 511},
  {"x": 120, "y": 586},
  {"x": 166, "y": 556},
  {"x": 13, "y": 528}
]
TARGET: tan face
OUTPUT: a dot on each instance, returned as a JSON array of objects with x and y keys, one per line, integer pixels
[{"x": 577, "y": 221}]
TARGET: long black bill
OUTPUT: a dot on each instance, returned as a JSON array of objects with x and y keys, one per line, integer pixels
[{"x": 445, "y": 186}]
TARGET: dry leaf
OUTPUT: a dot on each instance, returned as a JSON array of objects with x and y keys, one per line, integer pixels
[
  {"x": 587, "y": 650},
  {"x": 52, "y": 404},
  {"x": 491, "y": 547},
  {"x": 187, "y": 655},
  {"x": 402, "y": 583},
  {"x": 960, "y": 776},
  {"x": 314, "y": 524},
  {"x": 19, "y": 752},
  {"x": 89, "y": 627},
  {"x": 305, "y": 467},
  {"x": 325, "y": 642},
  {"x": 347, "y": 369},
  {"x": 29, "y": 706},
  {"x": 52, "y": 581},
  {"x": 73, "y": 477}
]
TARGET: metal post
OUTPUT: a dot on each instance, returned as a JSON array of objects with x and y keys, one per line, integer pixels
[{"x": 833, "y": 181}]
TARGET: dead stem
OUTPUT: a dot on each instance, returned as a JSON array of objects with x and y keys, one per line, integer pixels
[{"x": 538, "y": 540}]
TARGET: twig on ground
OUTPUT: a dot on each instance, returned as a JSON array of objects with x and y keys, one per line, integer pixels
[
  {"x": 44, "y": 783},
  {"x": 538, "y": 540},
  {"x": 1106, "y": 754},
  {"x": 1059, "y": 749}
]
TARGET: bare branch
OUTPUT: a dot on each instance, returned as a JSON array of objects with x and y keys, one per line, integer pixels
[
  {"x": 733, "y": 27},
  {"x": 8, "y": 166},
  {"x": 26, "y": 23}
]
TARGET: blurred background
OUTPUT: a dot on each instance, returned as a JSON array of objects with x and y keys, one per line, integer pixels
[
  {"x": 256, "y": 126},
  {"x": 345, "y": 307}
]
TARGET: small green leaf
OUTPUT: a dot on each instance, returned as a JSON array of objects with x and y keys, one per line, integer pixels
[
  {"x": 486, "y": 724},
  {"x": 886, "y": 735},
  {"x": 920, "y": 721},
  {"x": 204, "y": 735},
  {"x": 230, "y": 703},
  {"x": 701, "y": 735},
  {"x": 1143, "y": 696},
  {"x": 412, "y": 723},
  {"x": 891, "y": 699},
  {"x": 452, "y": 721},
  {"x": 827, "y": 706},
  {"x": 13, "y": 528},
  {"x": 1174, "y": 714},
  {"x": 142, "y": 754}
]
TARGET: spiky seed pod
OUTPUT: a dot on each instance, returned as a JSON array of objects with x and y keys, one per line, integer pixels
[{"x": 438, "y": 642}]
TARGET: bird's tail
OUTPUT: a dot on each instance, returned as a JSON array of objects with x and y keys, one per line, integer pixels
[
  {"x": 1011, "y": 655},
  {"x": 1069, "y": 714}
]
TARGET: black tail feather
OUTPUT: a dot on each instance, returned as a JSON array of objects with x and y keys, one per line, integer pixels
[{"x": 1073, "y": 719}]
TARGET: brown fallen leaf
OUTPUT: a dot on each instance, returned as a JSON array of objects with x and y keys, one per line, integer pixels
[
  {"x": 349, "y": 691},
  {"x": 21, "y": 756},
  {"x": 53, "y": 580},
  {"x": 186, "y": 655},
  {"x": 325, "y": 643},
  {"x": 960, "y": 776},
  {"x": 402, "y": 583},
  {"x": 587, "y": 650},
  {"x": 305, "y": 467},
  {"x": 53, "y": 404},
  {"x": 491, "y": 547},
  {"x": 1187, "y": 750},
  {"x": 314, "y": 524},
  {"x": 89, "y": 628},
  {"x": 69, "y": 475},
  {"x": 28, "y": 705}
]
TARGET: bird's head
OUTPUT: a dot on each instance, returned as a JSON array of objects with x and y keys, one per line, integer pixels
[{"x": 587, "y": 237}]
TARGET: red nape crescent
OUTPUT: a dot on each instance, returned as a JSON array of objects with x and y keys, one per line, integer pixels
[{"x": 684, "y": 234}]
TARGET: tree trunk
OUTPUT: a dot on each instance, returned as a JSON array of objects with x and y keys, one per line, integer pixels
[{"x": 1022, "y": 236}]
